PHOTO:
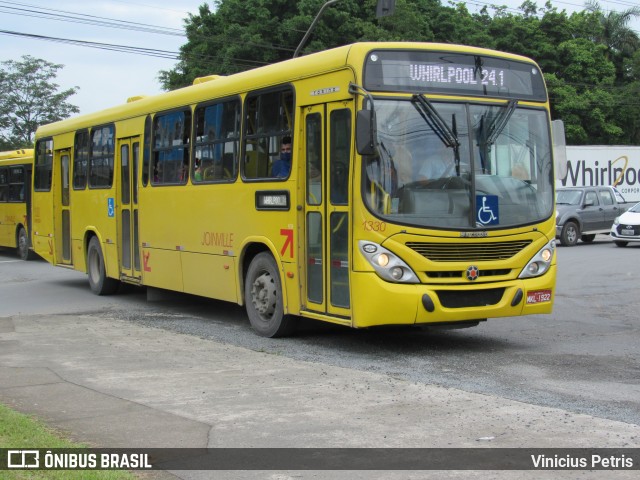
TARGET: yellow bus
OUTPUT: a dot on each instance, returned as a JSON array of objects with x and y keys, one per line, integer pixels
[
  {"x": 15, "y": 200},
  {"x": 419, "y": 189}
]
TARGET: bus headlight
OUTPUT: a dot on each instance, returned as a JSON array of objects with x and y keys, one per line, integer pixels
[
  {"x": 540, "y": 263},
  {"x": 387, "y": 265}
]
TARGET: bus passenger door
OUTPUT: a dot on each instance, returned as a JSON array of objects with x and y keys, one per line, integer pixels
[
  {"x": 127, "y": 209},
  {"x": 328, "y": 165},
  {"x": 62, "y": 233}
]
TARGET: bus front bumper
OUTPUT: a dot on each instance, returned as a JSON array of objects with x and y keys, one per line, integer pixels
[{"x": 377, "y": 302}]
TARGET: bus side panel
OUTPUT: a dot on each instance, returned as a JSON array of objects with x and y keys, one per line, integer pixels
[
  {"x": 162, "y": 269},
  {"x": 210, "y": 276},
  {"x": 42, "y": 237},
  {"x": 8, "y": 222}
]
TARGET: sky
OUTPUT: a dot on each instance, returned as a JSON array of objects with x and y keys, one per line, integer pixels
[{"x": 107, "y": 78}]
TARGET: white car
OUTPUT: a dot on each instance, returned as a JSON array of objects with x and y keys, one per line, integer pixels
[{"x": 626, "y": 227}]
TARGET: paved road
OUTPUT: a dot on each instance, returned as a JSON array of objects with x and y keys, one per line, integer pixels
[{"x": 188, "y": 372}]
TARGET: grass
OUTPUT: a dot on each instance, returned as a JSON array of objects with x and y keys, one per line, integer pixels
[{"x": 21, "y": 431}]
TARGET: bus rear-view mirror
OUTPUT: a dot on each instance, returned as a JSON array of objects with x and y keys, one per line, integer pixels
[{"x": 366, "y": 132}]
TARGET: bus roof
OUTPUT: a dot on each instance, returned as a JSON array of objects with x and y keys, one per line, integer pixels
[
  {"x": 16, "y": 154},
  {"x": 214, "y": 86}
]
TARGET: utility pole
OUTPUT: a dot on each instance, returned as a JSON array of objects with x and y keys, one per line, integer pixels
[{"x": 384, "y": 8}]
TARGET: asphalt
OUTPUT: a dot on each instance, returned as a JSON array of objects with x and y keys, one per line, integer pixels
[{"x": 113, "y": 383}]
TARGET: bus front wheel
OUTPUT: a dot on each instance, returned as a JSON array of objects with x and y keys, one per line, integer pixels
[
  {"x": 98, "y": 281},
  {"x": 263, "y": 298}
]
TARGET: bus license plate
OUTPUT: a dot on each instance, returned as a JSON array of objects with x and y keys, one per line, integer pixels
[
  {"x": 625, "y": 231},
  {"x": 538, "y": 296}
]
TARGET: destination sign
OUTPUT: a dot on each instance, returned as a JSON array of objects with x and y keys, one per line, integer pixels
[{"x": 452, "y": 73}]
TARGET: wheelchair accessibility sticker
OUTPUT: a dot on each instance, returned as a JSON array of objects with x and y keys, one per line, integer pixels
[
  {"x": 487, "y": 209},
  {"x": 111, "y": 207}
]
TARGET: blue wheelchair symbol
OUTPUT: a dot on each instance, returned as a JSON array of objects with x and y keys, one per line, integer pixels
[
  {"x": 111, "y": 207},
  {"x": 488, "y": 211}
]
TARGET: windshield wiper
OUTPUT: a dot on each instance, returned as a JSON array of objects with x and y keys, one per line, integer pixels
[
  {"x": 446, "y": 134},
  {"x": 488, "y": 135},
  {"x": 437, "y": 123},
  {"x": 499, "y": 122}
]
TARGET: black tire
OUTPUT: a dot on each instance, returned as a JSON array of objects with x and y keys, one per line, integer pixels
[
  {"x": 263, "y": 298},
  {"x": 620, "y": 243},
  {"x": 98, "y": 281},
  {"x": 22, "y": 240},
  {"x": 570, "y": 234},
  {"x": 588, "y": 238}
]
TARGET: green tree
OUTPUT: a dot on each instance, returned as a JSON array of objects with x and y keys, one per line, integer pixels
[
  {"x": 590, "y": 58},
  {"x": 237, "y": 35},
  {"x": 615, "y": 34},
  {"x": 582, "y": 94},
  {"x": 30, "y": 98}
]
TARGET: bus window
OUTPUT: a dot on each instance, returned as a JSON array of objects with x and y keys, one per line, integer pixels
[
  {"x": 314, "y": 159},
  {"x": 4, "y": 184},
  {"x": 269, "y": 118},
  {"x": 101, "y": 157},
  {"x": 216, "y": 142},
  {"x": 44, "y": 161},
  {"x": 340, "y": 155},
  {"x": 171, "y": 148},
  {"x": 81, "y": 160},
  {"x": 146, "y": 154},
  {"x": 16, "y": 184}
]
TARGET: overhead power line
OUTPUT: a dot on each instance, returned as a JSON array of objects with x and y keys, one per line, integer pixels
[
  {"x": 28, "y": 10},
  {"x": 152, "y": 52}
]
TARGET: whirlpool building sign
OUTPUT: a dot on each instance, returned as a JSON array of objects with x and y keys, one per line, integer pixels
[{"x": 618, "y": 166}]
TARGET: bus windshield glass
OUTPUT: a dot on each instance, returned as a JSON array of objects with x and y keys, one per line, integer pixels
[{"x": 459, "y": 165}]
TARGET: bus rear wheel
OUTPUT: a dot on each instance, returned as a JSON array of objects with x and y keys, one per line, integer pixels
[
  {"x": 98, "y": 281},
  {"x": 23, "y": 245},
  {"x": 263, "y": 298}
]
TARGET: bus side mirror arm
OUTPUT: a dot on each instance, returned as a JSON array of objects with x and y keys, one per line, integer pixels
[{"x": 366, "y": 132}]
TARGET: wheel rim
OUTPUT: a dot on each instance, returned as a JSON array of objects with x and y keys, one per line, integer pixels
[
  {"x": 263, "y": 295},
  {"x": 572, "y": 234}
]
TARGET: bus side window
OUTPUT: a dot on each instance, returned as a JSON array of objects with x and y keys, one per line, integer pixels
[
  {"x": 172, "y": 132},
  {"x": 216, "y": 142},
  {"x": 269, "y": 119},
  {"x": 16, "y": 184},
  {"x": 340, "y": 155},
  {"x": 146, "y": 151},
  {"x": 4, "y": 180},
  {"x": 81, "y": 160},
  {"x": 101, "y": 157},
  {"x": 43, "y": 165}
]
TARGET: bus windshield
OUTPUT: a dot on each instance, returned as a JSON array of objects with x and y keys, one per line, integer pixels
[{"x": 459, "y": 165}]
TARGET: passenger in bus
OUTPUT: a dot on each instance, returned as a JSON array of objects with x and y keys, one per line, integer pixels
[
  {"x": 519, "y": 171},
  {"x": 282, "y": 167}
]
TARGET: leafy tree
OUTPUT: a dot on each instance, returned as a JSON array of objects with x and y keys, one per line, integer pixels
[
  {"x": 30, "y": 98},
  {"x": 590, "y": 58},
  {"x": 615, "y": 32}
]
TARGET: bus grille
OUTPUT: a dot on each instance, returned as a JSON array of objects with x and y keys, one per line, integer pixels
[
  {"x": 472, "y": 298},
  {"x": 471, "y": 252}
]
